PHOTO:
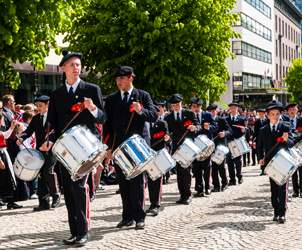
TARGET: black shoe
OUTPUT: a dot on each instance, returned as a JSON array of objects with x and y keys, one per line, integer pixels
[
  {"x": 118, "y": 191},
  {"x": 140, "y": 225},
  {"x": 240, "y": 180},
  {"x": 154, "y": 211},
  {"x": 216, "y": 189},
  {"x": 224, "y": 187},
  {"x": 125, "y": 223},
  {"x": 56, "y": 201},
  {"x": 295, "y": 195},
  {"x": 81, "y": 240},
  {"x": 262, "y": 173},
  {"x": 281, "y": 220},
  {"x": 208, "y": 192},
  {"x": 232, "y": 183},
  {"x": 199, "y": 194},
  {"x": 13, "y": 205},
  {"x": 300, "y": 195},
  {"x": 275, "y": 218},
  {"x": 41, "y": 208},
  {"x": 70, "y": 241}
]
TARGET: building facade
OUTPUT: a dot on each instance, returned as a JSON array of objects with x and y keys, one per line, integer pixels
[{"x": 257, "y": 71}]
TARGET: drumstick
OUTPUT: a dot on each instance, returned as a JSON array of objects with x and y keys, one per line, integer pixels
[
  {"x": 72, "y": 119},
  {"x": 183, "y": 136},
  {"x": 27, "y": 149},
  {"x": 238, "y": 126}
]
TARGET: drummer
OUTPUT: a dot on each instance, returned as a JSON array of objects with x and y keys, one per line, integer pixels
[
  {"x": 159, "y": 139},
  {"x": 48, "y": 181},
  {"x": 221, "y": 134},
  {"x": 296, "y": 129},
  {"x": 202, "y": 169},
  {"x": 272, "y": 137},
  {"x": 237, "y": 125},
  {"x": 182, "y": 123},
  {"x": 61, "y": 116},
  {"x": 128, "y": 110}
]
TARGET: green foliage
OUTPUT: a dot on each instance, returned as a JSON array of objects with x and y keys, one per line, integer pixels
[
  {"x": 294, "y": 80},
  {"x": 28, "y": 29},
  {"x": 8, "y": 75},
  {"x": 173, "y": 45}
]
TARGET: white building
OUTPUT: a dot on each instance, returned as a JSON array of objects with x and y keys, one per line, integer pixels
[{"x": 252, "y": 67}]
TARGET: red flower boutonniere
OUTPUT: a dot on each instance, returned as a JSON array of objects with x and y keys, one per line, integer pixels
[
  {"x": 187, "y": 123},
  {"x": 280, "y": 139},
  {"x": 77, "y": 107},
  {"x": 299, "y": 129},
  {"x": 159, "y": 135}
]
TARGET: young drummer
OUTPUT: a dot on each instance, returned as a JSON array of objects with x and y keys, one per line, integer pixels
[{"x": 272, "y": 137}]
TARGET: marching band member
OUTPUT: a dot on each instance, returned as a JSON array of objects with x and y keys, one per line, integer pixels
[
  {"x": 223, "y": 132},
  {"x": 259, "y": 123},
  {"x": 296, "y": 130},
  {"x": 237, "y": 125},
  {"x": 60, "y": 112},
  {"x": 159, "y": 139},
  {"x": 182, "y": 123},
  {"x": 7, "y": 176},
  {"x": 202, "y": 169},
  {"x": 128, "y": 110},
  {"x": 47, "y": 182},
  {"x": 272, "y": 137}
]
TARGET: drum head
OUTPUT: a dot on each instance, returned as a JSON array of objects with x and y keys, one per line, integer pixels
[{"x": 30, "y": 159}]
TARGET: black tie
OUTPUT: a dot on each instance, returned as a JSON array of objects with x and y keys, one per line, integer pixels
[
  {"x": 292, "y": 125},
  {"x": 197, "y": 116},
  {"x": 125, "y": 98},
  {"x": 70, "y": 90},
  {"x": 274, "y": 129},
  {"x": 42, "y": 119},
  {"x": 233, "y": 118},
  {"x": 177, "y": 117}
]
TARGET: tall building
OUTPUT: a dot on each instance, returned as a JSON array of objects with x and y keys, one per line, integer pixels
[{"x": 258, "y": 70}]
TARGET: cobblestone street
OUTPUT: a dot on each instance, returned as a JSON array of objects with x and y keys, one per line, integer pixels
[{"x": 239, "y": 218}]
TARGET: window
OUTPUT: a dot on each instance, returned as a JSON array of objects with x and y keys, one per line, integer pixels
[
  {"x": 256, "y": 27},
  {"x": 282, "y": 28},
  {"x": 276, "y": 23},
  {"x": 251, "y": 81},
  {"x": 286, "y": 52},
  {"x": 285, "y": 30},
  {"x": 277, "y": 67},
  {"x": 276, "y": 48},
  {"x": 249, "y": 50},
  {"x": 260, "y": 6},
  {"x": 283, "y": 50}
]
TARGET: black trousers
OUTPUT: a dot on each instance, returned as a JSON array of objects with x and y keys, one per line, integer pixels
[
  {"x": 184, "y": 179},
  {"x": 278, "y": 198},
  {"x": 76, "y": 195},
  {"x": 234, "y": 164},
  {"x": 254, "y": 156},
  {"x": 219, "y": 170},
  {"x": 297, "y": 181},
  {"x": 47, "y": 182},
  {"x": 133, "y": 196},
  {"x": 155, "y": 190},
  {"x": 202, "y": 173}
]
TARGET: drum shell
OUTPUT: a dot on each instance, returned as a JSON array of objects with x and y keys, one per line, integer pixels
[
  {"x": 133, "y": 155},
  {"x": 220, "y": 154},
  {"x": 206, "y": 147},
  {"x": 281, "y": 167},
  {"x": 238, "y": 147},
  {"x": 28, "y": 163},
  {"x": 161, "y": 164},
  {"x": 186, "y": 153},
  {"x": 77, "y": 147}
]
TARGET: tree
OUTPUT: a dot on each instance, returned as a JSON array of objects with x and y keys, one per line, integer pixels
[
  {"x": 173, "y": 45},
  {"x": 294, "y": 80},
  {"x": 28, "y": 30}
]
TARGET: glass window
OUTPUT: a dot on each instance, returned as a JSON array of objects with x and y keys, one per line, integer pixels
[{"x": 260, "y": 6}]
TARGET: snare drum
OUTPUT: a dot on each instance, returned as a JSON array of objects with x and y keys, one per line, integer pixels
[
  {"x": 281, "y": 167},
  {"x": 220, "y": 154},
  {"x": 28, "y": 163},
  {"x": 133, "y": 155},
  {"x": 206, "y": 147},
  {"x": 79, "y": 150},
  {"x": 239, "y": 147},
  {"x": 161, "y": 164},
  {"x": 186, "y": 153}
]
